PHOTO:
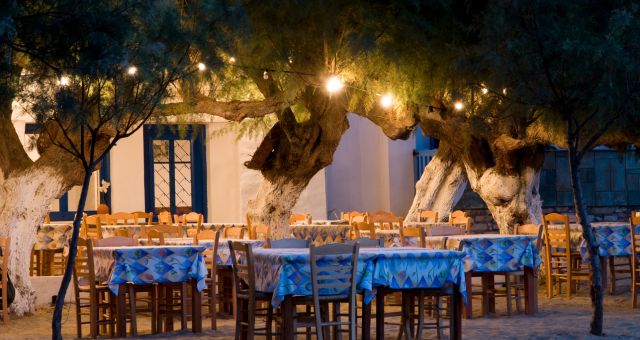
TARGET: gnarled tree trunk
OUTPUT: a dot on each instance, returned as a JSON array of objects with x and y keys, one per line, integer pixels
[{"x": 441, "y": 185}]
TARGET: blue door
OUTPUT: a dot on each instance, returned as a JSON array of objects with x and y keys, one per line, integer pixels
[{"x": 175, "y": 169}]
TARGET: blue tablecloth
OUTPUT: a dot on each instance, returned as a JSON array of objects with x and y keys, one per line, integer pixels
[
  {"x": 150, "y": 264},
  {"x": 496, "y": 253},
  {"x": 288, "y": 272},
  {"x": 614, "y": 239}
]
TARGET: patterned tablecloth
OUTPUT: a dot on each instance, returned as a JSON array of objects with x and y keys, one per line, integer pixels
[
  {"x": 320, "y": 234},
  {"x": 288, "y": 272},
  {"x": 223, "y": 257},
  {"x": 495, "y": 252},
  {"x": 134, "y": 229},
  {"x": 52, "y": 236},
  {"x": 614, "y": 239},
  {"x": 149, "y": 264}
]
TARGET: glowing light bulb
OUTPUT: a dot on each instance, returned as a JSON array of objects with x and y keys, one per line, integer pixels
[
  {"x": 64, "y": 81},
  {"x": 290, "y": 60},
  {"x": 334, "y": 84},
  {"x": 484, "y": 90},
  {"x": 132, "y": 70},
  {"x": 265, "y": 75},
  {"x": 201, "y": 67},
  {"x": 458, "y": 106},
  {"x": 504, "y": 91},
  {"x": 232, "y": 60},
  {"x": 386, "y": 100}
]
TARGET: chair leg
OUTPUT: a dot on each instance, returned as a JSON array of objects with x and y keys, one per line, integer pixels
[
  {"x": 183, "y": 306},
  {"x": 507, "y": 279},
  {"x": 212, "y": 304},
  {"x": 420, "y": 315},
  {"x": 336, "y": 317},
  {"x": 612, "y": 271},
  {"x": 132, "y": 310}
]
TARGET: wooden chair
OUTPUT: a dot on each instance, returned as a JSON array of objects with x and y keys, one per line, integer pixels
[
  {"x": 209, "y": 294},
  {"x": 385, "y": 220},
  {"x": 412, "y": 232},
  {"x": 456, "y": 214},
  {"x": 122, "y": 218},
  {"x": 233, "y": 233},
  {"x": 5, "y": 251},
  {"x": 359, "y": 227},
  {"x": 297, "y": 218},
  {"x": 93, "y": 300},
  {"x": 116, "y": 241},
  {"x": 143, "y": 218},
  {"x": 153, "y": 235},
  {"x": 165, "y": 218},
  {"x": 47, "y": 218},
  {"x": 635, "y": 259},
  {"x": 289, "y": 243},
  {"x": 91, "y": 227},
  {"x": 260, "y": 232},
  {"x": 123, "y": 232},
  {"x": 193, "y": 218},
  {"x": 167, "y": 230},
  {"x": 366, "y": 242},
  {"x": 341, "y": 278},
  {"x": 356, "y": 216},
  {"x": 462, "y": 222},
  {"x": 562, "y": 264},
  {"x": 246, "y": 295},
  {"x": 426, "y": 215}
]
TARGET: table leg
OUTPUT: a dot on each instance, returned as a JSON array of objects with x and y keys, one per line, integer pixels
[
  {"x": 456, "y": 311},
  {"x": 530, "y": 291},
  {"x": 196, "y": 304},
  {"x": 380, "y": 314},
  {"x": 121, "y": 312},
  {"x": 366, "y": 320},
  {"x": 287, "y": 318},
  {"x": 469, "y": 306},
  {"x": 604, "y": 266}
]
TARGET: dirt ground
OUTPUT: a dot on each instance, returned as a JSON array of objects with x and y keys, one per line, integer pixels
[{"x": 559, "y": 318}]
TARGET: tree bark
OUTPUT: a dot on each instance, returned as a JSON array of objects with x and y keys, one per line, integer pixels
[
  {"x": 441, "y": 185},
  {"x": 596, "y": 291}
]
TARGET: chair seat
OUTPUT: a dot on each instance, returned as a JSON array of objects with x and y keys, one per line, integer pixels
[{"x": 259, "y": 296}]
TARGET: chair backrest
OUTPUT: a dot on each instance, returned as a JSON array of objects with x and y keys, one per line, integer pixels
[
  {"x": 47, "y": 218},
  {"x": 297, "y": 218},
  {"x": 462, "y": 222},
  {"x": 83, "y": 271},
  {"x": 457, "y": 213},
  {"x": 165, "y": 218},
  {"x": 5, "y": 243},
  {"x": 143, "y": 218},
  {"x": 358, "y": 227},
  {"x": 167, "y": 230},
  {"x": 412, "y": 232},
  {"x": 243, "y": 270},
  {"x": 429, "y": 216},
  {"x": 289, "y": 243},
  {"x": 116, "y": 241},
  {"x": 338, "y": 278},
  {"x": 557, "y": 234},
  {"x": 385, "y": 219},
  {"x": 366, "y": 242},
  {"x": 209, "y": 253},
  {"x": 193, "y": 217},
  {"x": 260, "y": 232},
  {"x": 234, "y": 233},
  {"x": 444, "y": 230},
  {"x": 122, "y": 218},
  {"x": 635, "y": 240},
  {"x": 356, "y": 216},
  {"x": 91, "y": 227},
  {"x": 531, "y": 230},
  {"x": 123, "y": 232},
  {"x": 153, "y": 234}
]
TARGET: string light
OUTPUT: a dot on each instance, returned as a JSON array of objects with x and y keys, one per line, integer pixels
[
  {"x": 458, "y": 106},
  {"x": 290, "y": 60},
  {"x": 334, "y": 84},
  {"x": 386, "y": 100},
  {"x": 232, "y": 60},
  {"x": 132, "y": 70},
  {"x": 265, "y": 75},
  {"x": 485, "y": 90},
  {"x": 201, "y": 67},
  {"x": 64, "y": 81}
]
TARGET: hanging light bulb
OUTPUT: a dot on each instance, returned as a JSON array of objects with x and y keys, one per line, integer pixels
[
  {"x": 458, "y": 106},
  {"x": 290, "y": 60},
  {"x": 132, "y": 70},
  {"x": 386, "y": 101},
  {"x": 265, "y": 75},
  {"x": 485, "y": 90},
  {"x": 64, "y": 81},
  {"x": 232, "y": 60},
  {"x": 201, "y": 67},
  {"x": 334, "y": 84}
]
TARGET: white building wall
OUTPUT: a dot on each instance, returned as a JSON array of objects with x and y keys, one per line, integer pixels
[{"x": 127, "y": 174}]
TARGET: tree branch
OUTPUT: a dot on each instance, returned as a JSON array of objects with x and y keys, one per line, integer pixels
[{"x": 235, "y": 110}]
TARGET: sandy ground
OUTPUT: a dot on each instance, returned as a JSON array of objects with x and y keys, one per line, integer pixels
[{"x": 558, "y": 318}]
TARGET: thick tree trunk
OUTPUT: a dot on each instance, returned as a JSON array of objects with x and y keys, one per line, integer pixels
[
  {"x": 597, "y": 293},
  {"x": 24, "y": 202},
  {"x": 511, "y": 198},
  {"x": 441, "y": 185}
]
